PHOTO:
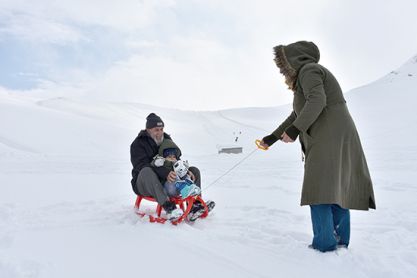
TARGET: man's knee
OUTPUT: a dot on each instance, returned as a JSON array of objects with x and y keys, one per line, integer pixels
[
  {"x": 148, "y": 184},
  {"x": 146, "y": 173},
  {"x": 196, "y": 173},
  {"x": 146, "y": 179}
]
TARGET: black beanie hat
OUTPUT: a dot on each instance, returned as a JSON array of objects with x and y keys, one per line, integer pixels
[{"x": 154, "y": 121}]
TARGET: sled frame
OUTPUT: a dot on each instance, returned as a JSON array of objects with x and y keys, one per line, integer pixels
[{"x": 184, "y": 204}]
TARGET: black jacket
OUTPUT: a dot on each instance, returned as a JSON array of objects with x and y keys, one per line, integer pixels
[{"x": 142, "y": 151}]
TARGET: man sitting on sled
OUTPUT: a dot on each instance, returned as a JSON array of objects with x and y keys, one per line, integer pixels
[
  {"x": 148, "y": 179},
  {"x": 169, "y": 157}
]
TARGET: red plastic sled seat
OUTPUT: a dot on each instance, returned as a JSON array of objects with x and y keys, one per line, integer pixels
[{"x": 184, "y": 204}]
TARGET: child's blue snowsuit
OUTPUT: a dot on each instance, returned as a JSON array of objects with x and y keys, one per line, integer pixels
[{"x": 179, "y": 187}]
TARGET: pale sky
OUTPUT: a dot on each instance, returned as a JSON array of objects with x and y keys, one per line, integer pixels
[{"x": 194, "y": 55}]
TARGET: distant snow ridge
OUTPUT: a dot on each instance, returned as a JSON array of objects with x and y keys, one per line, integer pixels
[{"x": 406, "y": 73}]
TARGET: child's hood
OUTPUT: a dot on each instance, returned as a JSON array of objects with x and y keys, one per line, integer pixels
[{"x": 168, "y": 144}]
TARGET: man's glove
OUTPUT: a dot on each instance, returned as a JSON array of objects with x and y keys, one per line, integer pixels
[{"x": 270, "y": 139}]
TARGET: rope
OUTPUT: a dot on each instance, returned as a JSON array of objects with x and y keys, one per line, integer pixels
[{"x": 237, "y": 164}]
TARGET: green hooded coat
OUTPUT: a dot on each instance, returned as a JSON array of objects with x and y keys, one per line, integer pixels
[
  {"x": 167, "y": 144},
  {"x": 336, "y": 171}
]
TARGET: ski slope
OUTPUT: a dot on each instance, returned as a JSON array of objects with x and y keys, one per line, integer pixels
[{"x": 66, "y": 204}]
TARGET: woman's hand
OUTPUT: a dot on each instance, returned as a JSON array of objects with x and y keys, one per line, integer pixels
[
  {"x": 263, "y": 144},
  {"x": 286, "y": 139},
  {"x": 268, "y": 141}
]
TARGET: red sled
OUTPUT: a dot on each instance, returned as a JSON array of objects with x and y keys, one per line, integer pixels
[{"x": 184, "y": 204}]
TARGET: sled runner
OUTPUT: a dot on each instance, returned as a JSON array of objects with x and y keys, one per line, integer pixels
[{"x": 184, "y": 204}]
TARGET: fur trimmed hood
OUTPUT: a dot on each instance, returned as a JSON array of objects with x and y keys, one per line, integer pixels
[{"x": 291, "y": 58}]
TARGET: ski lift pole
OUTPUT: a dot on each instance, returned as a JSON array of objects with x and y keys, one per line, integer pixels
[{"x": 258, "y": 147}]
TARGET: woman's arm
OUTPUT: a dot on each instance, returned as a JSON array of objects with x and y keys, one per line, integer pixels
[
  {"x": 276, "y": 135},
  {"x": 311, "y": 81}
]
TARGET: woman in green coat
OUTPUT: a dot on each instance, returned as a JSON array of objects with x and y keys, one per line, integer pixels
[{"x": 336, "y": 176}]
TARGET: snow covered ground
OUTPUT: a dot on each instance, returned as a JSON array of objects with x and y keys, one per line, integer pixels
[{"x": 66, "y": 205}]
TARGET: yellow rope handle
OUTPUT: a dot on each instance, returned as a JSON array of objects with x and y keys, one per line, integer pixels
[{"x": 258, "y": 144}]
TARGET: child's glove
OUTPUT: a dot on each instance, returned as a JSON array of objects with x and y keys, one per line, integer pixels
[{"x": 158, "y": 161}]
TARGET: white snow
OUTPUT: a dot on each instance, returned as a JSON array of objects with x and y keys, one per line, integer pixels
[{"x": 66, "y": 204}]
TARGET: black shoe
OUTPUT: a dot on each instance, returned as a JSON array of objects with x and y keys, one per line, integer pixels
[
  {"x": 197, "y": 210},
  {"x": 173, "y": 213},
  {"x": 210, "y": 205},
  {"x": 196, "y": 207},
  {"x": 169, "y": 206}
]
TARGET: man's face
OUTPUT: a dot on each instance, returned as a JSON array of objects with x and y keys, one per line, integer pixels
[{"x": 157, "y": 134}]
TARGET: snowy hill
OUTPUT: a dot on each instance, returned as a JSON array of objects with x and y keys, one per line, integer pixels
[{"x": 66, "y": 202}]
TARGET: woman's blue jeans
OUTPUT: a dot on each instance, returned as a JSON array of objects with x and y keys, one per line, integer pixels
[{"x": 331, "y": 226}]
